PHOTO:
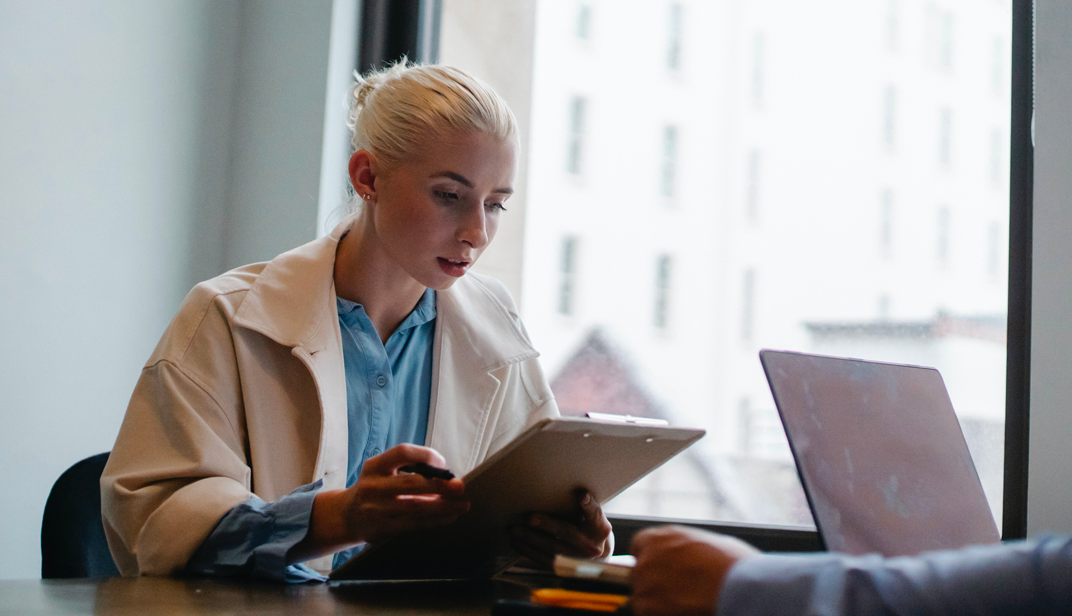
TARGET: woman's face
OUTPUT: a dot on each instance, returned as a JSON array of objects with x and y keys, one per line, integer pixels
[{"x": 434, "y": 215}]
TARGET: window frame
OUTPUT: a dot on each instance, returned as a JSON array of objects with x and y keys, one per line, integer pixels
[{"x": 383, "y": 38}]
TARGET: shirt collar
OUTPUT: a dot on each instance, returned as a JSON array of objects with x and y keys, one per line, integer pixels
[{"x": 423, "y": 312}]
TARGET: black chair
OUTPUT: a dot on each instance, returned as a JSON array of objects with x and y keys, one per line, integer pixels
[{"x": 72, "y": 533}]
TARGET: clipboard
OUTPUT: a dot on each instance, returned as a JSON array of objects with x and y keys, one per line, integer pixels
[{"x": 540, "y": 470}]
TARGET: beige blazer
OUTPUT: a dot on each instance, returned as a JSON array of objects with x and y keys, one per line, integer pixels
[{"x": 245, "y": 394}]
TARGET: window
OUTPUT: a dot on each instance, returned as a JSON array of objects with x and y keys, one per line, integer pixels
[
  {"x": 567, "y": 275},
  {"x": 993, "y": 245},
  {"x": 663, "y": 266},
  {"x": 997, "y": 145},
  {"x": 576, "y": 135},
  {"x": 752, "y": 187},
  {"x": 584, "y": 20},
  {"x": 942, "y": 235},
  {"x": 669, "y": 166},
  {"x": 892, "y": 24},
  {"x": 885, "y": 233},
  {"x": 945, "y": 135},
  {"x": 883, "y": 307},
  {"x": 847, "y": 166},
  {"x": 757, "y": 70},
  {"x": 889, "y": 115},
  {"x": 997, "y": 63},
  {"x": 673, "y": 38},
  {"x": 945, "y": 58},
  {"x": 748, "y": 304}
]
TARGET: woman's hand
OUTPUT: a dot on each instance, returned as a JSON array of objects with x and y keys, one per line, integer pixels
[
  {"x": 680, "y": 570},
  {"x": 382, "y": 503},
  {"x": 586, "y": 535}
]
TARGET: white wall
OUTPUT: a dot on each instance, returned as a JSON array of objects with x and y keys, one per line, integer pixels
[
  {"x": 143, "y": 147},
  {"x": 1049, "y": 505}
]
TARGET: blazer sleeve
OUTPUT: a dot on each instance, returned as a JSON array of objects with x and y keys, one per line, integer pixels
[
  {"x": 1016, "y": 578},
  {"x": 180, "y": 459}
]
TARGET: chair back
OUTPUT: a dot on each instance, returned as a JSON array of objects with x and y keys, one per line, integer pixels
[{"x": 72, "y": 533}]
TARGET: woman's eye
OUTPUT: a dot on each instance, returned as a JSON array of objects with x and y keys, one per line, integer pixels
[
  {"x": 495, "y": 206},
  {"x": 446, "y": 196}
]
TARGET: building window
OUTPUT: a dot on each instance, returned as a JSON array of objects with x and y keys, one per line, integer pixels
[
  {"x": 668, "y": 175},
  {"x": 567, "y": 272},
  {"x": 752, "y": 188},
  {"x": 997, "y": 145},
  {"x": 945, "y": 51},
  {"x": 891, "y": 24},
  {"x": 663, "y": 267},
  {"x": 993, "y": 257},
  {"x": 576, "y": 134},
  {"x": 885, "y": 236},
  {"x": 997, "y": 67},
  {"x": 673, "y": 39},
  {"x": 757, "y": 69},
  {"x": 583, "y": 24},
  {"x": 748, "y": 304},
  {"x": 945, "y": 136},
  {"x": 883, "y": 307},
  {"x": 889, "y": 117},
  {"x": 942, "y": 247},
  {"x": 744, "y": 427}
]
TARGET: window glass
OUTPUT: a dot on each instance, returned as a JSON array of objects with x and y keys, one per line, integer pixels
[{"x": 838, "y": 184}]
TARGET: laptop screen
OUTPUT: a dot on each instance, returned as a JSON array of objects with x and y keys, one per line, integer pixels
[{"x": 880, "y": 454}]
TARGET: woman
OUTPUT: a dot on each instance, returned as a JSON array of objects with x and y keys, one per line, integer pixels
[{"x": 270, "y": 425}]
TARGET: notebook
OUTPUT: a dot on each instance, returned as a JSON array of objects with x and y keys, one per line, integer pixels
[{"x": 880, "y": 454}]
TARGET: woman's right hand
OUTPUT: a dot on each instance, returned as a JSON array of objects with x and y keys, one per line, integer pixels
[{"x": 382, "y": 503}]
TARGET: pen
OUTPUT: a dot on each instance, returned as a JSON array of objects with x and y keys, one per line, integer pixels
[{"x": 427, "y": 470}]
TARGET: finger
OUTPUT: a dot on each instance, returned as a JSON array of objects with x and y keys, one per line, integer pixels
[
  {"x": 400, "y": 455},
  {"x": 397, "y": 526},
  {"x": 404, "y": 506},
  {"x": 537, "y": 557},
  {"x": 536, "y": 545},
  {"x": 596, "y": 525},
  {"x": 542, "y": 543},
  {"x": 580, "y": 542},
  {"x": 394, "y": 485},
  {"x": 589, "y": 505},
  {"x": 647, "y": 537}
]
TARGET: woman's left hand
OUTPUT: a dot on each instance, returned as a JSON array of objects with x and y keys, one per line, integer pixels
[{"x": 587, "y": 535}]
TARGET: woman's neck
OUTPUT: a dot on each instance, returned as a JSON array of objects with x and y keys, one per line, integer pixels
[{"x": 367, "y": 275}]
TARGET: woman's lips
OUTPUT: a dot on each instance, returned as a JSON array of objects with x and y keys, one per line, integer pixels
[{"x": 451, "y": 268}]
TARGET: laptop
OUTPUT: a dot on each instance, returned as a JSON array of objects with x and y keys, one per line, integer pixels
[{"x": 880, "y": 454}]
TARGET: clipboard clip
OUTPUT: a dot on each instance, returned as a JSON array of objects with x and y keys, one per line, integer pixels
[{"x": 628, "y": 419}]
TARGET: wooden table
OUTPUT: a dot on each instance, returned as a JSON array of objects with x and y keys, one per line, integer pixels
[{"x": 205, "y": 596}]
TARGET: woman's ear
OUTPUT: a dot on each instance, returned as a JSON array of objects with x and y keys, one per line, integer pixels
[{"x": 363, "y": 175}]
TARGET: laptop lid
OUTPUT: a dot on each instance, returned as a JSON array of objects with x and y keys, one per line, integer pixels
[{"x": 880, "y": 454}]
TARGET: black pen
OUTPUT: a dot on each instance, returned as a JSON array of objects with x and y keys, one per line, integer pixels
[{"x": 427, "y": 470}]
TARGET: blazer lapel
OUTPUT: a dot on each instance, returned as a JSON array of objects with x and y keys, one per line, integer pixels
[{"x": 476, "y": 335}]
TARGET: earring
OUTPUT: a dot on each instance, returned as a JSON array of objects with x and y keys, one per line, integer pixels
[{"x": 366, "y": 197}]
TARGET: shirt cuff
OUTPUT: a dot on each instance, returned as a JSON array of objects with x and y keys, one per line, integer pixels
[{"x": 254, "y": 538}]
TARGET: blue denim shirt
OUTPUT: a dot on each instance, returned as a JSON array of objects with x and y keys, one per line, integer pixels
[{"x": 388, "y": 390}]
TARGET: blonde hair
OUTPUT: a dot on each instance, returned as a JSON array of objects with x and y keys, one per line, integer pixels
[{"x": 393, "y": 110}]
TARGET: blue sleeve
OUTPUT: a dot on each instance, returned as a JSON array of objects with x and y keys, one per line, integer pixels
[
  {"x": 253, "y": 538},
  {"x": 1016, "y": 578}
]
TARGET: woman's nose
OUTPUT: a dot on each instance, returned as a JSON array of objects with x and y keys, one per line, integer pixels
[{"x": 473, "y": 228}]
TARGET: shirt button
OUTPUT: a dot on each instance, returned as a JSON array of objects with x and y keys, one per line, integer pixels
[
  {"x": 376, "y": 452},
  {"x": 381, "y": 380}
]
